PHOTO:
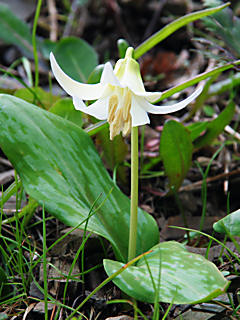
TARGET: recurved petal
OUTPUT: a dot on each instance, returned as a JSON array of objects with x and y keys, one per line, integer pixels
[
  {"x": 98, "y": 109},
  {"x": 149, "y": 96},
  {"x": 139, "y": 115},
  {"x": 73, "y": 87},
  {"x": 108, "y": 76},
  {"x": 168, "y": 109}
]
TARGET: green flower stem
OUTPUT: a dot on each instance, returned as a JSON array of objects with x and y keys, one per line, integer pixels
[
  {"x": 34, "y": 41},
  {"x": 134, "y": 195}
]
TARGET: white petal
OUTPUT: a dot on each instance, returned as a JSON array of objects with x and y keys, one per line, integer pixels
[
  {"x": 98, "y": 109},
  {"x": 108, "y": 76},
  {"x": 168, "y": 109},
  {"x": 79, "y": 104},
  {"x": 128, "y": 73},
  {"x": 73, "y": 87},
  {"x": 139, "y": 115},
  {"x": 149, "y": 96}
]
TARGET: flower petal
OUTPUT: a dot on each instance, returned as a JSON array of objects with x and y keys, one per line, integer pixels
[
  {"x": 108, "y": 76},
  {"x": 98, "y": 109},
  {"x": 73, "y": 87},
  {"x": 149, "y": 96},
  {"x": 168, "y": 109},
  {"x": 128, "y": 73},
  {"x": 139, "y": 115}
]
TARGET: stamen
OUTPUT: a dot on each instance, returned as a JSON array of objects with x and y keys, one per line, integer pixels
[
  {"x": 119, "y": 117},
  {"x": 117, "y": 124},
  {"x": 126, "y": 127},
  {"x": 112, "y": 106},
  {"x": 127, "y": 105}
]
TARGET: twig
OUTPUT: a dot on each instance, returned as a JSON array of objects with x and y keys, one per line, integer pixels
[
  {"x": 5, "y": 162},
  {"x": 227, "y": 161},
  {"x": 6, "y": 176},
  {"x": 53, "y": 20},
  {"x": 197, "y": 185},
  {"x": 231, "y": 131}
]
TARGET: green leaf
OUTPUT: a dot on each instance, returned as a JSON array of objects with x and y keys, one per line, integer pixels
[
  {"x": 114, "y": 152},
  {"x": 229, "y": 224},
  {"x": 60, "y": 168},
  {"x": 177, "y": 276},
  {"x": 96, "y": 127},
  {"x": 202, "y": 76},
  {"x": 209, "y": 111},
  {"x": 224, "y": 85},
  {"x": 215, "y": 127},
  {"x": 176, "y": 152},
  {"x": 37, "y": 96},
  {"x": 225, "y": 25},
  {"x": 95, "y": 75},
  {"x": 47, "y": 47},
  {"x": 65, "y": 109},
  {"x": 76, "y": 57},
  {"x": 122, "y": 47},
  {"x": 15, "y": 31},
  {"x": 196, "y": 129},
  {"x": 172, "y": 27}
]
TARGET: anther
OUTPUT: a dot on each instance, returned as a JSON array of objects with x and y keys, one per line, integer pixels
[
  {"x": 127, "y": 105},
  {"x": 112, "y": 107}
]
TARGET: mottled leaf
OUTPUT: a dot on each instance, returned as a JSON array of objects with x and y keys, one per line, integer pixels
[
  {"x": 172, "y": 273},
  {"x": 229, "y": 224},
  {"x": 60, "y": 168}
]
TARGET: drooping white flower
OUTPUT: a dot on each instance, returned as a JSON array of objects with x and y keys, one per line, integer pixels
[{"x": 121, "y": 97}]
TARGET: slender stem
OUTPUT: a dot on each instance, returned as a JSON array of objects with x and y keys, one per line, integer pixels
[
  {"x": 134, "y": 195},
  {"x": 45, "y": 280},
  {"x": 34, "y": 41}
]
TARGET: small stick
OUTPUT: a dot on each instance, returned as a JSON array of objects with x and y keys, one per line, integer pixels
[
  {"x": 198, "y": 184},
  {"x": 53, "y": 20}
]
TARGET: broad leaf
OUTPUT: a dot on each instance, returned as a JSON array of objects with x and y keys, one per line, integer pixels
[
  {"x": 229, "y": 224},
  {"x": 60, "y": 168},
  {"x": 15, "y": 31},
  {"x": 216, "y": 126},
  {"x": 65, "y": 109},
  {"x": 76, "y": 57},
  {"x": 176, "y": 152},
  {"x": 176, "y": 276},
  {"x": 37, "y": 96}
]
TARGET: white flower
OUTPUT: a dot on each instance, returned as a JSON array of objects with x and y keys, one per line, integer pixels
[{"x": 121, "y": 97}]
